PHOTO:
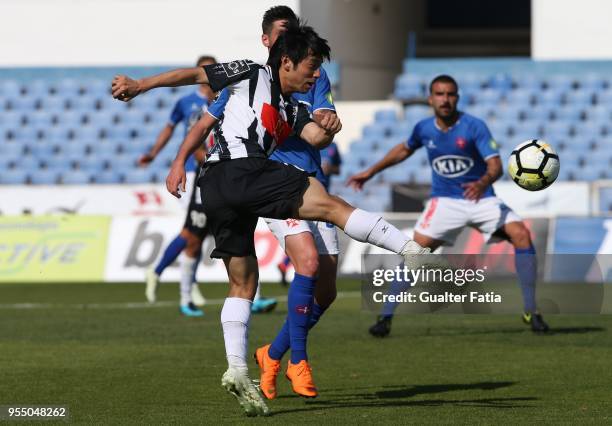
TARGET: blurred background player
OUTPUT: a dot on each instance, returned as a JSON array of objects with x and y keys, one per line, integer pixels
[
  {"x": 330, "y": 165},
  {"x": 460, "y": 199},
  {"x": 186, "y": 111}
]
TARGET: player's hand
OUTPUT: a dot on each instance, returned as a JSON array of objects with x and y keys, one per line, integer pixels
[
  {"x": 176, "y": 180},
  {"x": 145, "y": 160},
  {"x": 328, "y": 120},
  {"x": 473, "y": 190},
  {"x": 125, "y": 88},
  {"x": 358, "y": 180}
]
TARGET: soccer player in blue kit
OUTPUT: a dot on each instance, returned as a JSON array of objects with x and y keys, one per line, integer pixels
[{"x": 465, "y": 162}]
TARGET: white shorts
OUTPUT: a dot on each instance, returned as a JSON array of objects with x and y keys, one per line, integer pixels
[
  {"x": 445, "y": 217},
  {"x": 189, "y": 187},
  {"x": 325, "y": 235}
]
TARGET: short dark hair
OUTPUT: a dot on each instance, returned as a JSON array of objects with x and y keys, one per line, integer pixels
[
  {"x": 206, "y": 58},
  {"x": 442, "y": 78},
  {"x": 297, "y": 42},
  {"x": 277, "y": 13}
]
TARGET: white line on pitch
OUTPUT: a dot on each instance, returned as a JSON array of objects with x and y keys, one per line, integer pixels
[{"x": 138, "y": 305}]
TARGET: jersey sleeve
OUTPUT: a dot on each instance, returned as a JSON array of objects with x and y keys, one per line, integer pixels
[
  {"x": 415, "y": 141},
  {"x": 485, "y": 144},
  {"x": 223, "y": 74},
  {"x": 176, "y": 116},
  {"x": 302, "y": 118},
  {"x": 322, "y": 94},
  {"x": 217, "y": 108}
]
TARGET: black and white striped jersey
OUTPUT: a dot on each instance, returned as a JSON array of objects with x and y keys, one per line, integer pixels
[{"x": 253, "y": 116}]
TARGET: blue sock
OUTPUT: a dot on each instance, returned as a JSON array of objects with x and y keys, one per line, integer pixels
[
  {"x": 172, "y": 251},
  {"x": 281, "y": 343},
  {"x": 300, "y": 300},
  {"x": 195, "y": 267},
  {"x": 395, "y": 289},
  {"x": 527, "y": 269}
]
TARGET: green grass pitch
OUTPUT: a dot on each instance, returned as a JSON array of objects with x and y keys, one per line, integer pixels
[{"x": 112, "y": 362}]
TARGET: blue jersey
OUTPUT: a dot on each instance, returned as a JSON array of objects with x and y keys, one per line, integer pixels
[
  {"x": 188, "y": 111},
  {"x": 294, "y": 150},
  {"x": 457, "y": 156},
  {"x": 331, "y": 155}
]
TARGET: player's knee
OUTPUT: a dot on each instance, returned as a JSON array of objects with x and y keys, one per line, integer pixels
[
  {"x": 306, "y": 262},
  {"x": 521, "y": 237},
  {"x": 194, "y": 245}
]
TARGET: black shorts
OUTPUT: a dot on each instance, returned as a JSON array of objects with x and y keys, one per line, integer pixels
[
  {"x": 237, "y": 192},
  {"x": 196, "y": 221}
]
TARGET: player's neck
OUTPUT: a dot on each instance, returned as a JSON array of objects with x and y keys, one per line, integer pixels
[{"x": 446, "y": 123}]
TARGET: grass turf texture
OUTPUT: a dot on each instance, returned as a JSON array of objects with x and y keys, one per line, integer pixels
[{"x": 115, "y": 365}]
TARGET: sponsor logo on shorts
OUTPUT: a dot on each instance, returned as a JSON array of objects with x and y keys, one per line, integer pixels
[
  {"x": 292, "y": 223},
  {"x": 452, "y": 165}
]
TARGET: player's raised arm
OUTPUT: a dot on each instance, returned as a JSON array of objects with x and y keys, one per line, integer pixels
[
  {"x": 125, "y": 88},
  {"x": 397, "y": 154},
  {"x": 176, "y": 179}
]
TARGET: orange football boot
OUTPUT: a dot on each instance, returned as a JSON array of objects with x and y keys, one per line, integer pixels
[
  {"x": 300, "y": 376},
  {"x": 269, "y": 369}
]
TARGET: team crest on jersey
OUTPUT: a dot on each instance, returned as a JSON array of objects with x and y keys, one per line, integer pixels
[
  {"x": 452, "y": 166},
  {"x": 461, "y": 143},
  {"x": 236, "y": 67},
  {"x": 274, "y": 123}
]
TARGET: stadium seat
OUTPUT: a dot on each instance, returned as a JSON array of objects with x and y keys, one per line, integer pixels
[
  {"x": 58, "y": 162},
  {"x": 41, "y": 149},
  {"x": 487, "y": 97},
  {"x": 86, "y": 133},
  {"x": 38, "y": 89},
  {"x": 12, "y": 118},
  {"x": 539, "y": 113},
  {"x": 68, "y": 87},
  {"x": 604, "y": 98},
  {"x": 11, "y": 149},
  {"x": 599, "y": 113},
  {"x": 97, "y": 88},
  {"x": 55, "y": 104},
  {"x": 134, "y": 117},
  {"x": 501, "y": 82},
  {"x": 520, "y": 97},
  {"x": 385, "y": 116},
  {"x": 89, "y": 163},
  {"x": 70, "y": 119},
  {"x": 100, "y": 118},
  {"x": 108, "y": 177},
  {"x": 570, "y": 112},
  {"x": 579, "y": 98},
  {"x": 40, "y": 118},
  {"x": 14, "y": 177},
  {"x": 139, "y": 175},
  {"x": 559, "y": 82},
  {"x": 83, "y": 103},
  {"x": 10, "y": 88},
  {"x": 44, "y": 177},
  {"x": 508, "y": 112},
  {"x": 592, "y": 82},
  {"x": 76, "y": 177},
  {"x": 529, "y": 82},
  {"x": 374, "y": 131},
  {"x": 415, "y": 113},
  {"x": 25, "y": 134},
  {"x": 22, "y": 103},
  {"x": 118, "y": 132},
  {"x": 103, "y": 148},
  {"x": 550, "y": 98}
]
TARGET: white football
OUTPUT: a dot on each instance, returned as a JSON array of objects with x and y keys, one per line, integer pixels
[{"x": 533, "y": 165}]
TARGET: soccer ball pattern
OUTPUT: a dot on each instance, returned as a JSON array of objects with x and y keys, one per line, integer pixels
[{"x": 533, "y": 165}]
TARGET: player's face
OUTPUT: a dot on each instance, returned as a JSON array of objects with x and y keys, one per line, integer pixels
[
  {"x": 278, "y": 27},
  {"x": 443, "y": 99},
  {"x": 302, "y": 77}
]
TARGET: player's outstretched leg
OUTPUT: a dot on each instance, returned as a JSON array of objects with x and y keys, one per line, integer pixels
[{"x": 171, "y": 253}]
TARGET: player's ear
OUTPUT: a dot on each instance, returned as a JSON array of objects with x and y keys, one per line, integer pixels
[
  {"x": 265, "y": 40},
  {"x": 286, "y": 63}
]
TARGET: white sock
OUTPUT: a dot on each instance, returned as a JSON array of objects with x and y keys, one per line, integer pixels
[
  {"x": 186, "y": 266},
  {"x": 235, "y": 317},
  {"x": 367, "y": 227},
  {"x": 257, "y": 292}
]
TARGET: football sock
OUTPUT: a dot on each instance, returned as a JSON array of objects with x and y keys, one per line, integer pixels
[
  {"x": 395, "y": 288},
  {"x": 186, "y": 266},
  {"x": 235, "y": 317},
  {"x": 367, "y": 227},
  {"x": 300, "y": 300},
  {"x": 525, "y": 262},
  {"x": 281, "y": 343},
  {"x": 195, "y": 267},
  {"x": 175, "y": 248}
]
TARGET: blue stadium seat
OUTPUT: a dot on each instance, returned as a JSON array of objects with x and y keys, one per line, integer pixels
[
  {"x": 604, "y": 98},
  {"x": 86, "y": 133},
  {"x": 55, "y": 103},
  {"x": 89, "y": 163},
  {"x": 10, "y": 88},
  {"x": 108, "y": 177},
  {"x": 83, "y": 103},
  {"x": 38, "y": 88},
  {"x": 408, "y": 86},
  {"x": 96, "y": 87},
  {"x": 68, "y": 87},
  {"x": 529, "y": 129},
  {"x": 40, "y": 118},
  {"x": 508, "y": 112},
  {"x": 415, "y": 113},
  {"x": 12, "y": 118},
  {"x": 118, "y": 132},
  {"x": 559, "y": 82},
  {"x": 579, "y": 98},
  {"x": 592, "y": 81},
  {"x": 73, "y": 148},
  {"x": 103, "y": 148},
  {"x": 133, "y": 117},
  {"x": 550, "y": 97},
  {"x": 100, "y": 118},
  {"x": 487, "y": 97},
  {"x": 107, "y": 103},
  {"x": 556, "y": 130},
  {"x": 501, "y": 82},
  {"x": 58, "y": 162},
  {"x": 374, "y": 131},
  {"x": 23, "y": 103},
  {"x": 123, "y": 162},
  {"x": 569, "y": 113},
  {"x": 13, "y": 177},
  {"x": 76, "y": 177},
  {"x": 11, "y": 149},
  {"x": 41, "y": 148},
  {"x": 529, "y": 82},
  {"x": 538, "y": 113},
  {"x": 520, "y": 97},
  {"x": 57, "y": 135},
  {"x": 70, "y": 119},
  {"x": 599, "y": 113},
  {"x": 483, "y": 112},
  {"x": 587, "y": 131},
  {"x": 25, "y": 134},
  {"x": 28, "y": 163},
  {"x": 44, "y": 177},
  {"x": 385, "y": 116},
  {"x": 139, "y": 175}
]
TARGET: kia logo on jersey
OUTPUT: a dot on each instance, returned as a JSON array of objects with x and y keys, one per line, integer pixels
[{"x": 452, "y": 165}]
